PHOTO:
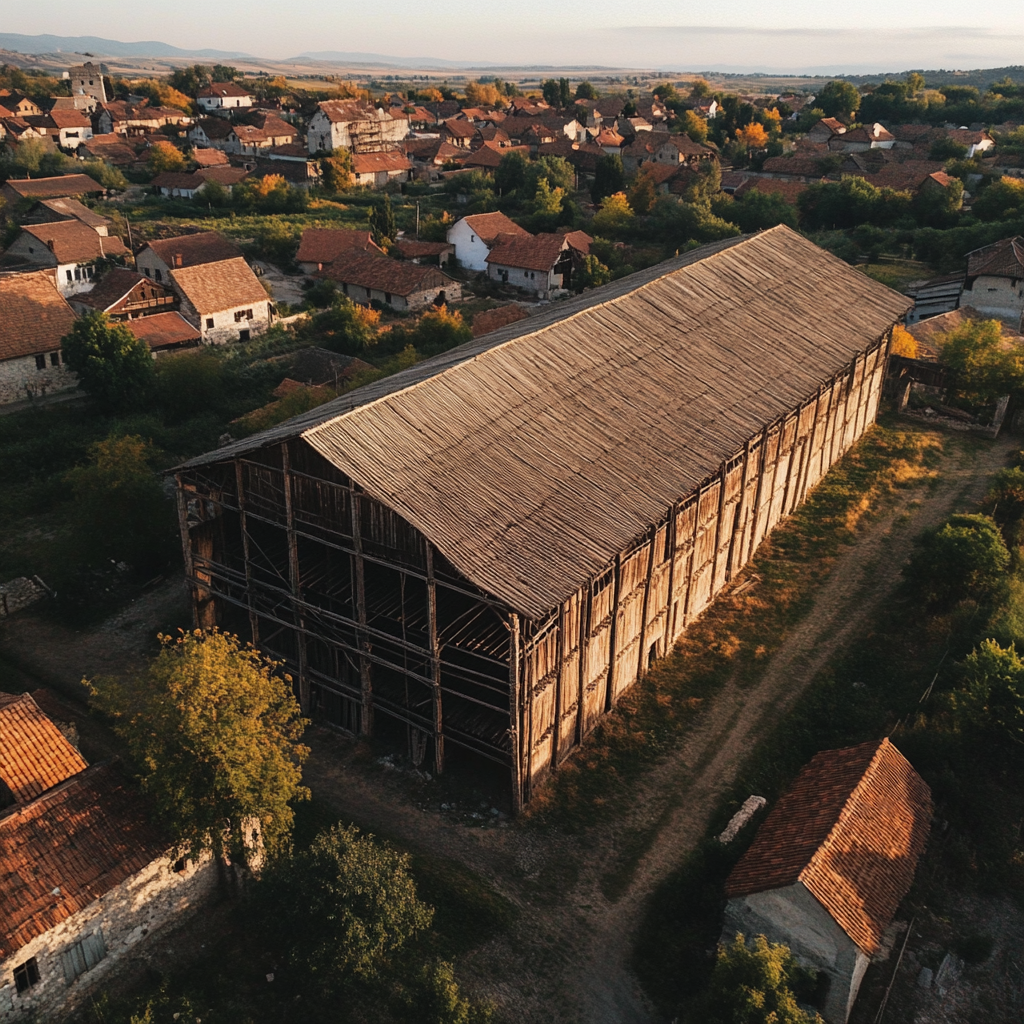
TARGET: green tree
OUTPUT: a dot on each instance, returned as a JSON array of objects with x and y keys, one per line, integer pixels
[
  {"x": 556, "y": 169},
  {"x": 965, "y": 557},
  {"x": 382, "y": 221},
  {"x": 838, "y": 99},
  {"x": 189, "y": 384},
  {"x": 615, "y": 215},
  {"x": 609, "y": 177},
  {"x": 586, "y": 91},
  {"x": 337, "y": 170},
  {"x": 163, "y": 156},
  {"x": 114, "y": 367},
  {"x": 938, "y": 207},
  {"x": 213, "y": 731},
  {"x": 756, "y": 210},
  {"x": 947, "y": 149},
  {"x": 106, "y": 174},
  {"x": 564, "y": 92},
  {"x": 339, "y": 909},
  {"x": 439, "y": 1001},
  {"x": 345, "y": 327},
  {"x": 849, "y": 203},
  {"x": 120, "y": 511},
  {"x": 642, "y": 193},
  {"x": 510, "y": 174},
  {"x": 985, "y": 367},
  {"x": 550, "y": 91},
  {"x": 694, "y": 125},
  {"x": 591, "y": 274},
  {"x": 755, "y": 985},
  {"x": 991, "y": 699},
  {"x": 1002, "y": 200}
]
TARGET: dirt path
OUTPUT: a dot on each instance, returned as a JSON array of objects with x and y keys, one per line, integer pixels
[{"x": 567, "y": 959}]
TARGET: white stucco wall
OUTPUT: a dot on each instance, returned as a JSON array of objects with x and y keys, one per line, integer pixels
[
  {"x": 225, "y": 328},
  {"x": 416, "y": 300},
  {"x": 999, "y": 297},
  {"x": 21, "y": 379},
  {"x": 470, "y": 249},
  {"x": 126, "y": 915},
  {"x": 794, "y": 917},
  {"x": 539, "y": 281}
]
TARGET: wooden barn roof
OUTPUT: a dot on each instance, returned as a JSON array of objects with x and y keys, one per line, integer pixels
[
  {"x": 532, "y": 456},
  {"x": 851, "y": 829}
]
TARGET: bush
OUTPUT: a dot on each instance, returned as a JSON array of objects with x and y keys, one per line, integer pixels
[
  {"x": 966, "y": 557},
  {"x": 984, "y": 367},
  {"x": 1002, "y": 200},
  {"x": 991, "y": 699},
  {"x": 189, "y": 383}
]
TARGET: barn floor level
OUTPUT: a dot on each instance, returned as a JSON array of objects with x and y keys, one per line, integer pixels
[{"x": 486, "y": 550}]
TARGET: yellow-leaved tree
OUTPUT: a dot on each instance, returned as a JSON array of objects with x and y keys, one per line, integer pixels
[
  {"x": 753, "y": 136},
  {"x": 903, "y": 343}
]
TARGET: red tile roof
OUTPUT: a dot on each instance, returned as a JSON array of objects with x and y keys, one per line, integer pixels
[
  {"x": 67, "y": 848},
  {"x": 383, "y": 274},
  {"x": 501, "y": 316},
  {"x": 73, "y": 209},
  {"x": 215, "y": 287},
  {"x": 202, "y": 247},
  {"x": 52, "y": 188},
  {"x": 34, "y": 755},
  {"x": 411, "y": 249},
  {"x": 371, "y": 163},
  {"x": 33, "y": 314},
  {"x": 209, "y": 157},
  {"x": 536, "y": 252},
  {"x": 114, "y": 286},
  {"x": 489, "y": 225},
  {"x": 851, "y": 829},
  {"x": 1001, "y": 259},
  {"x": 164, "y": 330},
  {"x": 71, "y": 241},
  {"x": 322, "y": 245},
  {"x": 217, "y": 89}
]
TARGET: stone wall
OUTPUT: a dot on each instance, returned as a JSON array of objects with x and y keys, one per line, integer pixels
[
  {"x": 125, "y": 917},
  {"x": 20, "y": 379}
]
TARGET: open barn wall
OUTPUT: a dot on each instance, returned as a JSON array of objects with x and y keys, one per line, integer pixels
[
  {"x": 578, "y": 662},
  {"x": 371, "y": 619}
]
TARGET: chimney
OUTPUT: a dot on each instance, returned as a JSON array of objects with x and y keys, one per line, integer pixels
[
  {"x": 177, "y": 259},
  {"x": 49, "y": 244}
]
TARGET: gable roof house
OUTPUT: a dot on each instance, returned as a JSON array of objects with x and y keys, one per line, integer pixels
[
  {"x": 542, "y": 264},
  {"x": 375, "y": 170},
  {"x": 614, "y": 459},
  {"x": 859, "y": 140},
  {"x": 84, "y": 875},
  {"x": 367, "y": 277},
  {"x": 116, "y": 150},
  {"x": 660, "y": 147},
  {"x": 125, "y": 294},
  {"x": 210, "y": 133},
  {"x": 34, "y": 317},
  {"x": 157, "y": 258},
  {"x": 63, "y": 186},
  {"x": 222, "y": 97},
  {"x": 831, "y": 863},
  {"x": 474, "y": 235},
  {"x": 120, "y": 117},
  {"x": 19, "y": 104},
  {"x": 355, "y": 125},
  {"x": 320, "y": 246},
  {"x": 995, "y": 281},
  {"x": 165, "y": 333},
  {"x": 254, "y": 139},
  {"x": 824, "y": 129},
  {"x": 224, "y": 300},
  {"x": 70, "y": 246},
  {"x": 68, "y": 128},
  {"x": 48, "y": 211}
]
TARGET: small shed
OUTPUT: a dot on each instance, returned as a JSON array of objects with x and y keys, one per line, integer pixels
[{"x": 831, "y": 863}]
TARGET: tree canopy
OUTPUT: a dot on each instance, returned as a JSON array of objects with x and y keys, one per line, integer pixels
[
  {"x": 114, "y": 367},
  {"x": 382, "y": 221},
  {"x": 838, "y": 99}
]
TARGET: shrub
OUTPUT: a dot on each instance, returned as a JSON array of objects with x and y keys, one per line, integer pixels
[
  {"x": 188, "y": 384},
  {"x": 966, "y": 557},
  {"x": 991, "y": 699},
  {"x": 985, "y": 368}
]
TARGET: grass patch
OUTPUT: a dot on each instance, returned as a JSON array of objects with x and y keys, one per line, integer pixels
[{"x": 895, "y": 275}]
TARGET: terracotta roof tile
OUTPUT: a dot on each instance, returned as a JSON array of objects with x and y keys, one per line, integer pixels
[
  {"x": 371, "y": 163},
  {"x": 114, "y": 286},
  {"x": 501, "y": 316},
  {"x": 381, "y": 273},
  {"x": 162, "y": 330},
  {"x": 220, "y": 89},
  {"x": 322, "y": 245},
  {"x": 34, "y": 755},
  {"x": 71, "y": 241},
  {"x": 213, "y": 287},
  {"x": 209, "y": 157},
  {"x": 851, "y": 829},
  {"x": 489, "y": 225},
  {"x": 202, "y": 247},
  {"x": 33, "y": 314},
  {"x": 1000, "y": 259},
  {"x": 72, "y": 208},
  {"x": 536, "y": 252},
  {"x": 52, "y": 188},
  {"x": 411, "y": 249}
]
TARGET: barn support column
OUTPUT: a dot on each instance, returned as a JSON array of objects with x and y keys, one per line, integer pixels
[
  {"x": 670, "y": 610},
  {"x": 788, "y": 492},
  {"x": 755, "y": 516},
  {"x": 294, "y": 580},
  {"x": 641, "y": 665},
  {"x": 359, "y": 581},
  {"x": 723, "y": 477},
  {"x": 186, "y": 549},
  {"x": 586, "y": 604},
  {"x": 560, "y": 649},
  {"x": 739, "y": 523},
  {"x": 613, "y": 636},
  {"x": 801, "y": 485},
  {"x": 244, "y": 526},
  {"x": 435, "y": 660},
  {"x": 693, "y": 558},
  {"x": 515, "y": 709}
]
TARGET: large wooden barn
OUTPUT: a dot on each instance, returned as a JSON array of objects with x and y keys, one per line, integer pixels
[{"x": 488, "y": 548}]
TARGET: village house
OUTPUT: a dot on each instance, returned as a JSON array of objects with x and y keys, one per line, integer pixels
[
  {"x": 429, "y": 156},
  {"x": 68, "y": 128},
  {"x": 474, "y": 235},
  {"x": 123, "y": 295},
  {"x": 459, "y": 133},
  {"x": 487, "y": 549},
  {"x": 34, "y": 317},
  {"x": 542, "y": 264},
  {"x": 367, "y": 277},
  {"x": 15, "y": 190},
  {"x": 184, "y": 185},
  {"x": 116, "y": 150},
  {"x": 254, "y": 139},
  {"x": 824, "y": 129},
  {"x": 320, "y": 246},
  {"x": 209, "y": 157},
  {"x": 858, "y": 140},
  {"x": 660, "y": 147},
  {"x": 87, "y": 80},
  {"x": 415, "y": 251},
  {"x": 355, "y": 125},
  {"x": 831, "y": 863},
  {"x": 375, "y": 170},
  {"x": 224, "y": 300},
  {"x": 222, "y": 98},
  {"x": 995, "y": 281},
  {"x": 165, "y": 333},
  {"x": 19, "y": 104},
  {"x": 71, "y": 247},
  {"x": 84, "y": 875},
  {"x": 157, "y": 258},
  {"x": 49, "y": 211},
  {"x": 119, "y": 117},
  {"x": 210, "y": 133}
]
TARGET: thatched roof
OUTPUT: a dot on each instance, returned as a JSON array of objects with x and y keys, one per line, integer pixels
[{"x": 531, "y": 456}]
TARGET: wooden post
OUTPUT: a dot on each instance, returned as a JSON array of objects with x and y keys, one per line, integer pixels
[
  {"x": 515, "y": 708},
  {"x": 670, "y": 618},
  {"x": 641, "y": 667},
  {"x": 254, "y": 627},
  {"x": 186, "y": 549},
  {"x": 741, "y": 512},
  {"x": 560, "y": 646},
  {"x": 723, "y": 477},
  {"x": 613, "y": 630},
  {"x": 295, "y": 580},
  {"x": 758, "y": 494},
  {"x": 693, "y": 557},
  {"x": 586, "y": 605},
  {"x": 801, "y": 487},
  {"x": 435, "y": 659},
  {"x": 365, "y": 678}
]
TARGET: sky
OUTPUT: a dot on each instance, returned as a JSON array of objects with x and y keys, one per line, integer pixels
[{"x": 781, "y": 35}]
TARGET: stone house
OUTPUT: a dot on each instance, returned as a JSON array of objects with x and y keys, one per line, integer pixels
[
  {"x": 116, "y": 150},
  {"x": 20, "y": 105},
  {"x": 474, "y": 235},
  {"x": 124, "y": 295},
  {"x": 354, "y": 125},
  {"x": 73, "y": 248},
  {"x": 223, "y": 97},
  {"x": 84, "y": 875},
  {"x": 459, "y": 133},
  {"x": 366, "y": 277},
  {"x": 119, "y": 117},
  {"x": 995, "y": 281},
  {"x": 542, "y": 264},
  {"x": 824, "y": 129},
  {"x": 224, "y": 300},
  {"x": 831, "y": 863},
  {"x": 321, "y": 246},
  {"x": 210, "y": 133},
  {"x": 265, "y": 133},
  {"x": 375, "y": 170},
  {"x": 34, "y": 317},
  {"x": 49, "y": 211},
  {"x": 157, "y": 258},
  {"x": 860, "y": 140},
  {"x": 62, "y": 186},
  {"x": 68, "y": 128},
  {"x": 87, "y": 80},
  {"x": 660, "y": 147}
]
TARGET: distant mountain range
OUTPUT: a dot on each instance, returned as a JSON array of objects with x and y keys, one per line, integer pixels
[
  {"x": 96, "y": 46},
  {"x": 341, "y": 57}
]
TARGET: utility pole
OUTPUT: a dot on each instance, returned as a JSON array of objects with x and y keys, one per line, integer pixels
[{"x": 417, "y": 220}]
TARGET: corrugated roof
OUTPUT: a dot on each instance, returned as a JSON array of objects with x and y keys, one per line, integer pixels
[
  {"x": 214, "y": 287},
  {"x": 33, "y": 315},
  {"x": 532, "y": 456},
  {"x": 34, "y": 755},
  {"x": 851, "y": 829}
]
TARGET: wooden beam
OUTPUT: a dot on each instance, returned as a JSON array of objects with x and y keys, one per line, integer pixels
[
  {"x": 435, "y": 659},
  {"x": 739, "y": 524},
  {"x": 365, "y": 676},
  {"x": 586, "y": 607},
  {"x": 641, "y": 666},
  {"x": 295, "y": 579},
  {"x": 670, "y": 615},
  {"x": 613, "y": 629},
  {"x": 693, "y": 557},
  {"x": 560, "y": 646},
  {"x": 254, "y": 626},
  {"x": 186, "y": 547},
  {"x": 515, "y": 707},
  {"x": 758, "y": 494},
  {"x": 723, "y": 476}
]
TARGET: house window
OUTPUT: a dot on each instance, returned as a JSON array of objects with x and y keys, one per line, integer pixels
[
  {"x": 40, "y": 362},
  {"x": 26, "y": 975},
  {"x": 387, "y": 297},
  {"x": 159, "y": 275},
  {"x": 55, "y": 359},
  {"x": 248, "y": 314},
  {"x": 243, "y": 335},
  {"x": 145, "y": 270},
  {"x": 68, "y": 272},
  {"x": 83, "y": 956},
  {"x": 78, "y": 273},
  {"x": 209, "y": 323}
]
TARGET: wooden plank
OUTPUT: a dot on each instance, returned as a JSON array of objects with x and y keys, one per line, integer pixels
[
  {"x": 359, "y": 586},
  {"x": 515, "y": 706},
  {"x": 613, "y": 639},
  {"x": 435, "y": 661},
  {"x": 254, "y": 628},
  {"x": 641, "y": 665}
]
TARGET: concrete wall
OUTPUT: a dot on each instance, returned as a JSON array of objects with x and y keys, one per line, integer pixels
[
  {"x": 125, "y": 916},
  {"x": 794, "y": 917},
  {"x": 531, "y": 280},
  {"x": 21, "y": 378},
  {"x": 999, "y": 297}
]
